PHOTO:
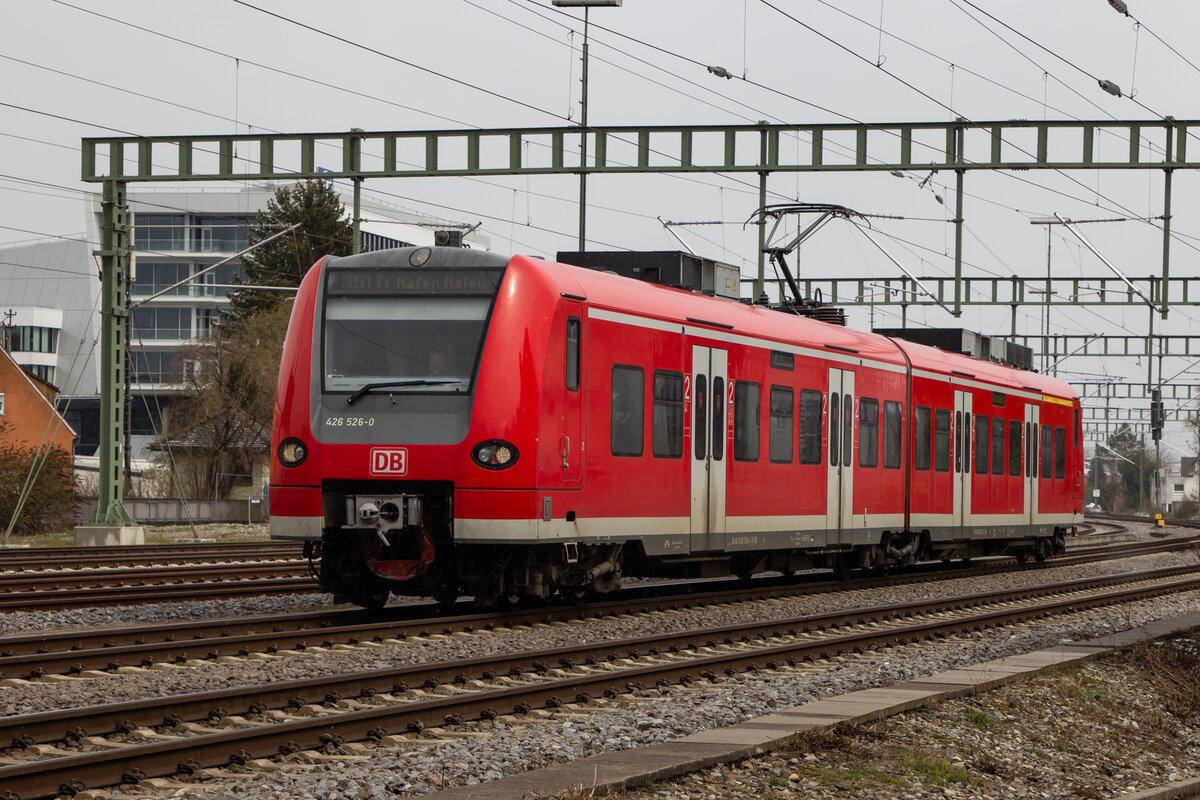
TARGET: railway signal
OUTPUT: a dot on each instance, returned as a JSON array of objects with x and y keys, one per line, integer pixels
[{"x": 1156, "y": 414}]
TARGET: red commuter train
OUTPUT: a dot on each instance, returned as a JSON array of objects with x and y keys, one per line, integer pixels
[{"x": 450, "y": 421}]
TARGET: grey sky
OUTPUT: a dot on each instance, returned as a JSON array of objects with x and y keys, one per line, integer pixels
[{"x": 523, "y": 60}]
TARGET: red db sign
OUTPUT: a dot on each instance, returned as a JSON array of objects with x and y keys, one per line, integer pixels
[{"x": 389, "y": 461}]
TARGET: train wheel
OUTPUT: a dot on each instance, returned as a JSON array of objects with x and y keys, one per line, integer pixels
[
  {"x": 1040, "y": 550},
  {"x": 373, "y": 598},
  {"x": 510, "y": 601},
  {"x": 841, "y": 567},
  {"x": 573, "y": 595},
  {"x": 1022, "y": 558},
  {"x": 446, "y": 594}
]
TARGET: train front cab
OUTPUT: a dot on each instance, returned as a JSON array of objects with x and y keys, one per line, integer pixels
[{"x": 389, "y": 409}]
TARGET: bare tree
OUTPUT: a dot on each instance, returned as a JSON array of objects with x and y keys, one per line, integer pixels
[{"x": 221, "y": 426}]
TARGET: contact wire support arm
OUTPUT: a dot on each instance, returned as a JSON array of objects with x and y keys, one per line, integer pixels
[{"x": 778, "y": 212}]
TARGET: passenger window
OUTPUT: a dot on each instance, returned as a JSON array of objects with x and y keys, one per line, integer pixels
[
  {"x": 1033, "y": 456},
  {"x": 868, "y": 432},
  {"x": 810, "y": 427},
  {"x": 958, "y": 461},
  {"x": 835, "y": 416},
  {"x": 1028, "y": 451},
  {"x": 746, "y": 421},
  {"x": 573, "y": 328},
  {"x": 628, "y": 411},
  {"x": 997, "y": 446},
  {"x": 1047, "y": 450},
  {"x": 923, "y": 435},
  {"x": 667, "y": 423},
  {"x": 718, "y": 418},
  {"x": 965, "y": 438},
  {"x": 981, "y": 444},
  {"x": 893, "y": 424},
  {"x": 1060, "y": 452},
  {"x": 847, "y": 429},
  {"x": 700, "y": 429},
  {"x": 1014, "y": 447},
  {"x": 780, "y": 435},
  {"x": 941, "y": 440}
]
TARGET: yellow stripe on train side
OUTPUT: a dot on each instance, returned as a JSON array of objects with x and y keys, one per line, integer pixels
[{"x": 1058, "y": 400}]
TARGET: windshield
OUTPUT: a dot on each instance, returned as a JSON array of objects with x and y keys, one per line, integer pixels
[{"x": 410, "y": 341}]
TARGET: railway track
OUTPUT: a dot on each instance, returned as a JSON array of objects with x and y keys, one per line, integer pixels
[
  {"x": 44, "y": 558},
  {"x": 128, "y": 742},
  {"x": 73, "y": 652},
  {"x": 128, "y": 576},
  {"x": 211, "y": 589},
  {"x": 59, "y": 578}
]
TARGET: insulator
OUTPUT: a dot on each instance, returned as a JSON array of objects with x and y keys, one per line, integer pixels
[{"x": 834, "y": 315}]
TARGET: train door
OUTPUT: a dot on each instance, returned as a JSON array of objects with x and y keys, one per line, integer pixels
[
  {"x": 961, "y": 439},
  {"x": 839, "y": 513},
  {"x": 710, "y": 413},
  {"x": 570, "y": 446},
  {"x": 1032, "y": 416}
]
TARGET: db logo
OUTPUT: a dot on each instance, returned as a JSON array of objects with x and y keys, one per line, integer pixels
[{"x": 389, "y": 461}]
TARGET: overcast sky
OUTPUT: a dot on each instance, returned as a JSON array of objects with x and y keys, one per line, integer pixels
[{"x": 90, "y": 68}]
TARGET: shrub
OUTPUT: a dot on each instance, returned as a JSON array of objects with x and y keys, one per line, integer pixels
[
  {"x": 1184, "y": 509},
  {"x": 51, "y": 502}
]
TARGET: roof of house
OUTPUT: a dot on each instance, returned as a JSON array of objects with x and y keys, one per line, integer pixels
[{"x": 44, "y": 388}]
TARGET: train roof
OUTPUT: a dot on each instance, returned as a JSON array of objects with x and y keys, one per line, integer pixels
[{"x": 729, "y": 317}]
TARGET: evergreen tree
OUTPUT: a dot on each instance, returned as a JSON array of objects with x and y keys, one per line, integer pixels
[
  {"x": 1135, "y": 470},
  {"x": 325, "y": 229}
]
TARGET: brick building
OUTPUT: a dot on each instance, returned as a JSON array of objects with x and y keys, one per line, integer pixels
[{"x": 27, "y": 408}]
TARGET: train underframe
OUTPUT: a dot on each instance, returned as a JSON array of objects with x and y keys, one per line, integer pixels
[{"x": 402, "y": 543}]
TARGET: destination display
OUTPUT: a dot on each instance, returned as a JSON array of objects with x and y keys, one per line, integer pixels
[{"x": 407, "y": 282}]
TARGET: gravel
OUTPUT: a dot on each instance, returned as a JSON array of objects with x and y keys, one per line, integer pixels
[
  {"x": 1098, "y": 730},
  {"x": 122, "y": 616},
  {"x": 487, "y": 750}
]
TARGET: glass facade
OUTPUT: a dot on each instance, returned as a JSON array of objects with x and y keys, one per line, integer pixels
[
  {"x": 159, "y": 232},
  {"x": 197, "y": 233},
  {"x": 155, "y": 366},
  {"x": 213, "y": 282},
  {"x": 33, "y": 339},
  {"x": 152, "y": 322},
  {"x": 151, "y": 277},
  {"x": 43, "y": 371},
  {"x": 175, "y": 247},
  {"x": 224, "y": 234}
]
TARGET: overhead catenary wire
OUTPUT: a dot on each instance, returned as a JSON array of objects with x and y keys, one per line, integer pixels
[
  {"x": 506, "y": 220},
  {"x": 61, "y": 2}
]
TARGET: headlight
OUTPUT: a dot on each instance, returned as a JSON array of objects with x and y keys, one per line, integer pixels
[
  {"x": 494, "y": 454},
  {"x": 292, "y": 452}
]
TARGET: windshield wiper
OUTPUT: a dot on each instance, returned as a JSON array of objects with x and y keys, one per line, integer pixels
[{"x": 370, "y": 387}]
